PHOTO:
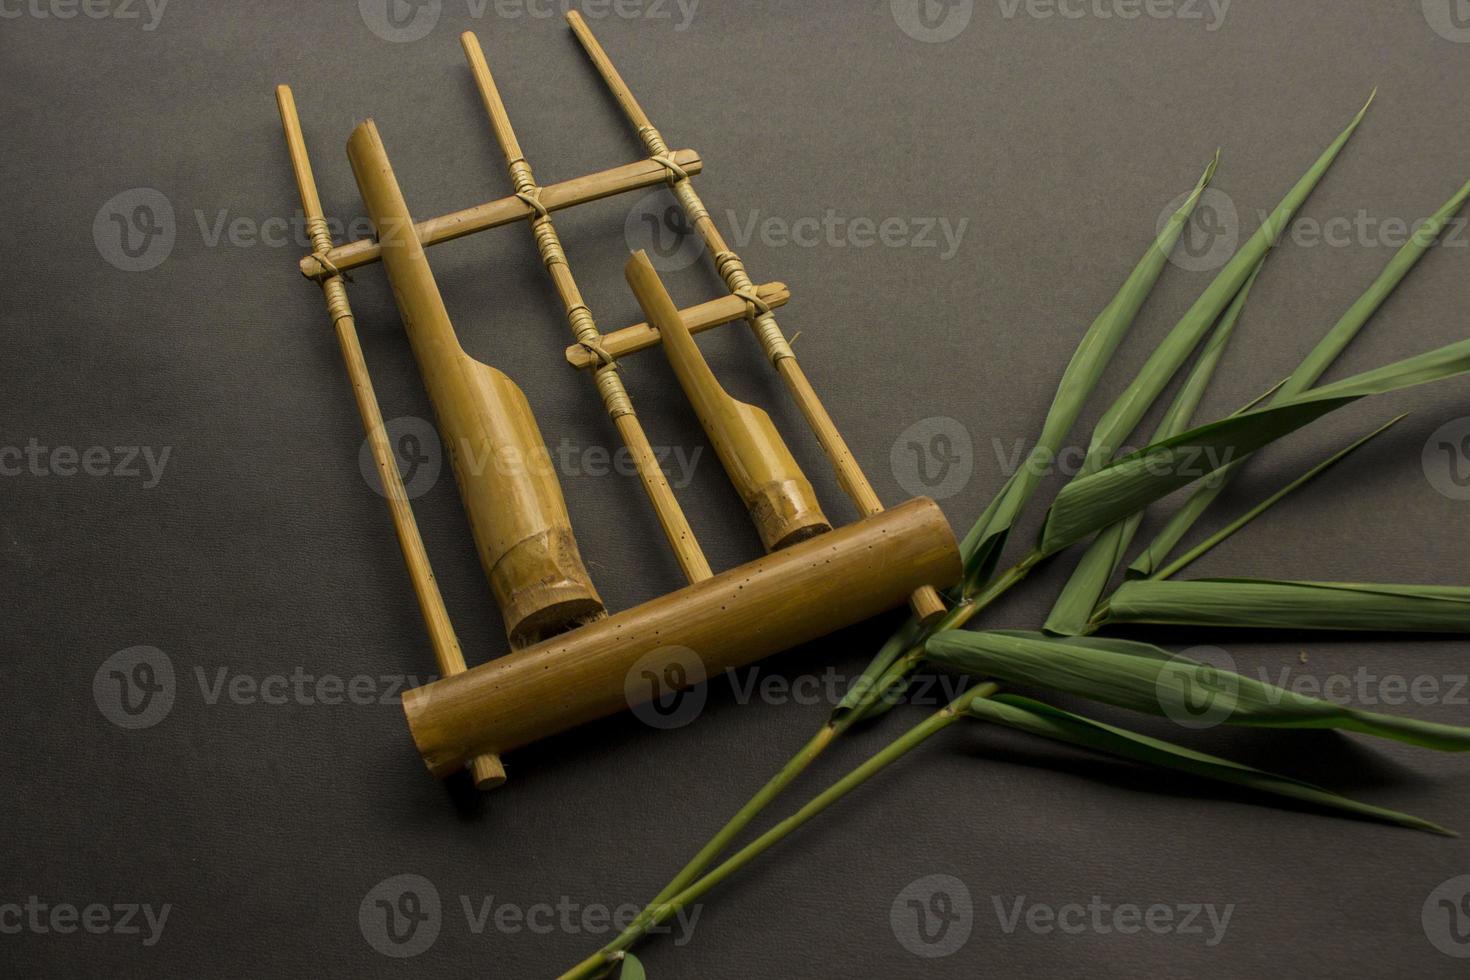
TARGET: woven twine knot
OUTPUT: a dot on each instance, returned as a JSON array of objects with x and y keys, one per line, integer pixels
[
  {"x": 532, "y": 199},
  {"x": 321, "y": 237},
  {"x": 758, "y": 306},
  {"x": 665, "y": 160}
]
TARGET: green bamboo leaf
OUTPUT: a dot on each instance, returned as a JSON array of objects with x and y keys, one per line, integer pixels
[
  {"x": 1146, "y": 678},
  {"x": 1133, "y": 482},
  {"x": 632, "y": 968},
  {"x": 1036, "y": 718},
  {"x": 1311, "y": 369},
  {"x": 1263, "y": 603},
  {"x": 1114, "y": 428},
  {"x": 1199, "y": 550},
  {"x": 1084, "y": 590},
  {"x": 981, "y": 547}
]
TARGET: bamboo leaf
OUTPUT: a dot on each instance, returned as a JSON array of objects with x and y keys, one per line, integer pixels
[
  {"x": 1263, "y": 603},
  {"x": 1199, "y": 550},
  {"x": 1311, "y": 369},
  {"x": 981, "y": 547},
  {"x": 632, "y": 968},
  {"x": 1024, "y": 714},
  {"x": 1084, "y": 590},
  {"x": 1124, "y": 415},
  {"x": 1145, "y": 678},
  {"x": 1133, "y": 482}
]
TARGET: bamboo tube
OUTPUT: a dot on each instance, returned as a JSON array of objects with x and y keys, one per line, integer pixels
[
  {"x": 487, "y": 770},
  {"x": 780, "y": 499},
  {"x": 515, "y": 506},
  {"x": 926, "y": 602},
  {"x": 778, "y": 601},
  {"x": 505, "y": 211},
  {"x": 641, "y": 336},
  {"x": 609, "y": 384}
]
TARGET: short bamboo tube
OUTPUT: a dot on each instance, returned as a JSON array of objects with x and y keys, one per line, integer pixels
[
  {"x": 705, "y": 316},
  {"x": 487, "y": 770},
  {"x": 782, "y": 504},
  {"x": 609, "y": 383},
  {"x": 776, "y": 602},
  {"x": 505, "y": 211},
  {"x": 515, "y": 506},
  {"x": 925, "y": 602}
]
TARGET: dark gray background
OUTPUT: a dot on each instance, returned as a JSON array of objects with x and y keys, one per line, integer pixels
[{"x": 263, "y": 550}]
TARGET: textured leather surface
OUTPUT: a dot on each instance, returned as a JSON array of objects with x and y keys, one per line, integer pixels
[{"x": 1048, "y": 146}]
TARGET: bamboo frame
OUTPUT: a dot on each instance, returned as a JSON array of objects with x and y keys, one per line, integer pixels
[
  {"x": 584, "y": 328},
  {"x": 926, "y": 603},
  {"x": 486, "y": 768}
]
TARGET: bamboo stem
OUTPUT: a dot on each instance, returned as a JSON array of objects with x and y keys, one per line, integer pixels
[
  {"x": 697, "y": 319},
  {"x": 487, "y": 770},
  {"x": 505, "y": 211},
  {"x": 609, "y": 383},
  {"x": 926, "y": 603},
  {"x": 891, "y": 753}
]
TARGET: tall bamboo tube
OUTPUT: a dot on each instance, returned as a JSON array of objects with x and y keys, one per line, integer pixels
[
  {"x": 515, "y": 505},
  {"x": 487, "y": 770},
  {"x": 779, "y": 600},
  {"x": 584, "y": 328},
  {"x": 925, "y": 602},
  {"x": 506, "y": 210},
  {"x": 780, "y": 499}
]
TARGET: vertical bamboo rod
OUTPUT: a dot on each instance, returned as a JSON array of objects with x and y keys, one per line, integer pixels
[
  {"x": 487, "y": 770},
  {"x": 584, "y": 328},
  {"x": 925, "y": 602}
]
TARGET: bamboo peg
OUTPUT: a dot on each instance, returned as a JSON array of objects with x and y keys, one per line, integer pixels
[
  {"x": 926, "y": 602},
  {"x": 515, "y": 506},
  {"x": 486, "y": 769},
  {"x": 506, "y": 210},
  {"x": 780, "y": 499},
  {"x": 584, "y": 328},
  {"x": 705, "y": 316}
]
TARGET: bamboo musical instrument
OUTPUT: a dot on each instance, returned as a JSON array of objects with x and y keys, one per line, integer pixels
[
  {"x": 486, "y": 769},
  {"x": 609, "y": 383},
  {"x": 570, "y": 662},
  {"x": 925, "y": 602},
  {"x": 780, "y": 499},
  {"x": 514, "y": 502}
]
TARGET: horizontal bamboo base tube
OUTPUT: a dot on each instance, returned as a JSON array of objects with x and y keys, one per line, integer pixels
[
  {"x": 775, "y": 602},
  {"x": 705, "y": 316},
  {"x": 508, "y": 210}
]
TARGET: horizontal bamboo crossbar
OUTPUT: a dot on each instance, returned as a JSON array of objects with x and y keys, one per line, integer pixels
[
  {"x": 506, "y": 210},
  {"x": 773, "y": 603},
  {"x": 705, "y": 316}
]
